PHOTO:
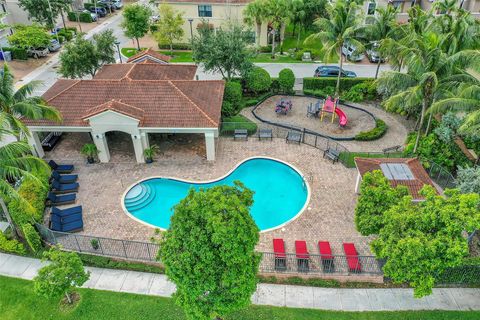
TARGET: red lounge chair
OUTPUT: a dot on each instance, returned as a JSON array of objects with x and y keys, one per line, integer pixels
[
  {"x": 352, "y": 258},
  {"x": 302, "y": 256},
  {"x": 326, "y": 256},
  {"x": 280, "y": 256}
]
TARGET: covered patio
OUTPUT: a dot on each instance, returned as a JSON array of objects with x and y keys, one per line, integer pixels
[{"x": 124, "y": 98}]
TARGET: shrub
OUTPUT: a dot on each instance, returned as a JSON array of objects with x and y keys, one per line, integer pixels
[
  {"x": 322, "y": 93},
  {"x": 258, "y": 80},
  {"x": 286, "y": 80},
  {"x": 251, "y": 102},
  {"x": 68, "y": 34},
  {"x": 468, "y": 179},
  {"x": 319, "y": 83},
  {"x": 275, "y": 86},
  {"x": 176, "y": 46},
  {"x": 374, "y": 134},
  {"x": 366, "y": 90},
  {"x": 17, "y": 53},
  {"x": 32, "y": 237},
  {"x": 353, "y": 95},
  {"x": 232, "y": 98},
  {"x": 265, "y": 49},
  {"x": 12, "y": 246},
  {"x": 82, "y": 16}
]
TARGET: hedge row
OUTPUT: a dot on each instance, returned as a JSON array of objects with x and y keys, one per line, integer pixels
[
  {"x": 12, "y": 246},
  {"x": 312, "y": 83},
  {"x": 374, "y": 134},
  {"x": 176, "y": 46},
  {"x": 82, "y": 16},
  {"x": 17, "y": 53}
]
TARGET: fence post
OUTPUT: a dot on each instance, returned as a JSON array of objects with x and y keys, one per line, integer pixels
[
  {"x": 148, "y": 250},
  {"x": 316, "y": 137},
  {"x": 124, "y": 250},
  {"x": 100, "y": 244},
  {"x": 303, "y": 135}
]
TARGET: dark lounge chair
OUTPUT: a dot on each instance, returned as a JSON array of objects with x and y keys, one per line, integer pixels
[
  {"x": 58, "y": 187},
  {"x": 302, "y": 256},
  {"x": 280, "y": 256},
  {"x": 61, "y": 168},
  {"x": 353, "y": 260},
  {"x": 326, "y": 256},
  {"x": 74, "y": 226},
  {"x": 66, "y": 212},
  {"x": 66, "y": 178},
  {"x": 67, "y": 219},
  {"x": 58, "y": 200}
]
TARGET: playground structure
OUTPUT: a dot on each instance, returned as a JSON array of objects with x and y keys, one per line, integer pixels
[
  {"x": 328, "y": 105},
  {"x": 283, "y": 107}
]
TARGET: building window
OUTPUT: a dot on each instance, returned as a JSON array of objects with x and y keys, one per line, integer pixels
[
  {"x": 204, "y": 10},
  {"x": 371, "y": 8}
]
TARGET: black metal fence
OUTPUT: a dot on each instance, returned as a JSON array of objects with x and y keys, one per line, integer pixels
[
  {"x": 315, "y": 264},
  {"x": 126, "y": 249},
  {"x": 462, "y": 275}
]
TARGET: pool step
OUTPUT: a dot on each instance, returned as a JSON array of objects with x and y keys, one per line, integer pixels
[{"x": 145, "y": 196}]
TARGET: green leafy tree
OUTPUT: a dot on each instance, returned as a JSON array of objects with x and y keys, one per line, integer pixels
[
  {"x": 208, "y": 251},
  {"x": 255, "y": 14},
  {"x": 376, "y": 197},
  {"x": 15, "y": 104},
  {"x": 136, "y": 21},
  {"x": 45, "y": 12},
  {"x": 224, "y": 50},
  {"x": 32, "y": 237},
  {"x": 258, "y": 80},
  {"x": 82, "y": 57},
  {"x": 338, "y": 28},
  {"x": 29, "y": 36},
  {"x": 314, "y": 9},
  {"x": 278, "y": 12},
  {"x": 420, "y": 240},
  {"x": 170, "y": 26},
  {"x": 232, "y": 98},
  {"x": 286, "y": 80},
  {"x": 64, "y": 273},
  {"x": 468, "y": 179}
]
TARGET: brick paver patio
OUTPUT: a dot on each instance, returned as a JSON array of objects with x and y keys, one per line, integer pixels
[{"x": 329, "y": 215}]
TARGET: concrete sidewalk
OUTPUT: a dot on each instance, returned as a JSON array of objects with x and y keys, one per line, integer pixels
[{"x": 268, "y": 294}]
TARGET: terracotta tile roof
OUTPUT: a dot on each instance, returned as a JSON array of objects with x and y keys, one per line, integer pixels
[
  {"x": 149, "y": 71},
  {"x": 117, "y": 106},
  {"x": 166, "y": 104},
  {"x": 421, "y": 177},
  {"x": 149, "y": 55}
]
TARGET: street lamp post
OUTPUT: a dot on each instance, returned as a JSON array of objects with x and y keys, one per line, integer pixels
[
  {"x": 191, "y": 29},
  {"x": 117, "y": 43}
]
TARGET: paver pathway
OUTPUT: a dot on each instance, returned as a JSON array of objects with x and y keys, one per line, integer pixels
[{"x": 267, "y": 294}]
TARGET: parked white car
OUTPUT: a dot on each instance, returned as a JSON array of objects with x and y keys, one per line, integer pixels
[
  {"x": 351, "y": 52},
  {"x": 118, "y": 4},
  {"x": 37, "y": 52}
]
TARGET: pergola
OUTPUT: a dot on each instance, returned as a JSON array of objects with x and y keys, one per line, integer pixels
[{"x": 137, "y": 99}]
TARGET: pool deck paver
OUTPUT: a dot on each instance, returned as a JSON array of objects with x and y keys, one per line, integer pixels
[{"x": 268, "y": 294}]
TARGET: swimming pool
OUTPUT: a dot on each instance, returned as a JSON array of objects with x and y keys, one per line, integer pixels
[{"x": 281, "y": 193}]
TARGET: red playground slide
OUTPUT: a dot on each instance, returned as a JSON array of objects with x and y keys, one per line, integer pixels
[{"x": 342, "y": 117}]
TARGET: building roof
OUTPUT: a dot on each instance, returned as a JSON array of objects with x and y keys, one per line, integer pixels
[
  {"x": 211, "y": 1},
  {"x": 149, "y": 56},
  {"x": 399, "y": 171},
  {"x": 164, "y": 103},
  {"x": 147, "y": 71}
]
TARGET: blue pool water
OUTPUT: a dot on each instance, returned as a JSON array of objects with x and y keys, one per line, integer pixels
[{"x": 280, "y": 194}]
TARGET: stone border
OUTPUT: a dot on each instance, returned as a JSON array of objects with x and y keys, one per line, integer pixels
[
  {"x": 286, "y": 126},
  {"x": 298, "y": 171}
]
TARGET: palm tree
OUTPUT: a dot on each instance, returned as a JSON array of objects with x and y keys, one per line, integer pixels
[
  {"x": 340, "y": 27},
  {"x": 382, "y": 27},
  {"x": 430, "y": 73},
  {"x": 278, "y": 13},
  {"x": 18, "y": 104},
  {"x": 16, "y": 162},
  {"x": 255, "y": 13},
  {"x": 461, "y": 31}
]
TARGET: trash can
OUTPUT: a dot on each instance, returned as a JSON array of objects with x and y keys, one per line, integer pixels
[{"x": 7, "y": 56}]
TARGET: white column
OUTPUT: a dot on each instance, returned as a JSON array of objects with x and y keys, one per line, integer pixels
[
  {"x": 100, "y": 141},
  {"x": 216, "y": 133},
  {"x": 145, "y": 141},
  {"x": 36, "y": 144},
  {"x": 210, "y": 145},
  {"x": 138, "y": 147},
  {"x": 357, "y": 184}
]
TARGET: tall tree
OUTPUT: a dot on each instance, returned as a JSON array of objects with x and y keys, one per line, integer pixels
[
  {"x": 82, "y": 57},
  {"x": 224, "y": 50},
  {"x": 278, "y": 12},
  {"x": 421, "y": 240},
  {"x": 382, "y": 26},
  {"x": 46, "y": 12},
  {"x": 340, "y": 27},
  {"x": 170, "y": 26},
  {"x": 15, "y": 104},
  {"x": 209, "y": 251},
  {"x": 29, "y": 36},
  {"x": 255, "y": 14},
  {"x": 135, "y": 22}
]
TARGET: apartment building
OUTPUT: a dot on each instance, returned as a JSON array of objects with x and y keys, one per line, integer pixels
[{"x": 216, "y": 13}]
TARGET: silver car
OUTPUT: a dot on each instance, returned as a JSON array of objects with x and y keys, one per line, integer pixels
[
  {"x": 37, "y": 52},
  {"x": 54, "y": 45},
  {"x": 118, "y": 4},
  {"x": 350, "y": 51}
]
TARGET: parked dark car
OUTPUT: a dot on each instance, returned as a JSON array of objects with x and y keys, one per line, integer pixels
[
  {"x": 101, "y": 12},
  {"x": 109, "y": 6},
  {"x": 332, "y": 71}
]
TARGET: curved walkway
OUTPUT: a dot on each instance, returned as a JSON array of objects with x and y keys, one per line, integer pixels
[{"x": 267, "y": 294}]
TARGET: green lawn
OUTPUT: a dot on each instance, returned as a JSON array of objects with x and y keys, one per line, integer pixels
[
  {"x": 17, "y": 301},
  {"x": 178, "y": 56},
  {"x": 267, "y": 57},
  {"x": 229, "y": 124},
  {"x": 348, "y": 157}
]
